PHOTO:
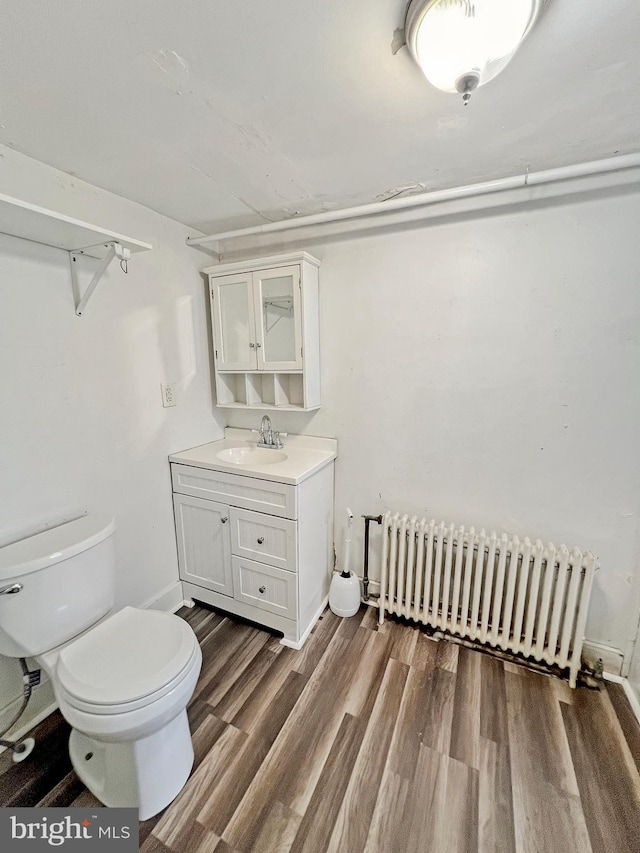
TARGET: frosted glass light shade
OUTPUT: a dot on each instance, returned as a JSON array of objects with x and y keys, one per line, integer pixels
[{"x": 453, "y": 40}]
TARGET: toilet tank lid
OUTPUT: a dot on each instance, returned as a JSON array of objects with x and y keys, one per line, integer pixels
[{"x": 54, "y": 545}]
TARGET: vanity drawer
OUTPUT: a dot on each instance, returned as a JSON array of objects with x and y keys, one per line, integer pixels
[
  {"x": 264, "y": 538},
  {"x": 234, "y": 489},
  {"x": 265, "y": 587}
]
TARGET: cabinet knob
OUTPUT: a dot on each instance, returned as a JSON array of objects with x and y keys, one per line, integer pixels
[
  {"x": 258, "y": 346},
  {"x": 262, "y": 589},
  {"x": 260, "y": 540},
  {"x": 224, "y": 519},
  {"x": 252, "y": 346}
]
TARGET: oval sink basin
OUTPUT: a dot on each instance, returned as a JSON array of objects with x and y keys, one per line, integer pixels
[{"x": 251, "y": 456}]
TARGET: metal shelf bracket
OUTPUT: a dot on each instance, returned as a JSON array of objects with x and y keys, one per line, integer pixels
[{"x": 114, "y": 250}]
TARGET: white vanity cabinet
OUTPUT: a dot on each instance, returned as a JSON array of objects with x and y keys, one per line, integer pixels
[
  {"x": 264, "y": 318},
  {"x": 258, "y": 548}
]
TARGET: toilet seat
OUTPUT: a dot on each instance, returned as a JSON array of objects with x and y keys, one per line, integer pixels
[{"x": 131, "y": 660}]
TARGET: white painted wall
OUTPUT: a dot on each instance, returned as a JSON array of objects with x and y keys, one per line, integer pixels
[
  {"x": 82, "y": 426},
  {"x": 485, "y": 371}
]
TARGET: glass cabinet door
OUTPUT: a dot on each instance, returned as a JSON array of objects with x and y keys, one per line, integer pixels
[
  {"x": 278, "y": 320},
  {"x": 233, "y": 322}
]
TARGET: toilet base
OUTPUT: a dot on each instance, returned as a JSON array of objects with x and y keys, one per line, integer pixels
[{"x": 146, "y": 774}]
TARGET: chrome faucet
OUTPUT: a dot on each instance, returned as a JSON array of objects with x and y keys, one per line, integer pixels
[
  {"x": 266, "y": 433},
  {"x": 269, "y": 437}
]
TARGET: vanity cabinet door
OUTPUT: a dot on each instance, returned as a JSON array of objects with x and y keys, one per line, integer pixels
[
  {"x": 232, "y": 317},
  {"x": 277, "y": 305},
  {"x": 204, "y": 543}
]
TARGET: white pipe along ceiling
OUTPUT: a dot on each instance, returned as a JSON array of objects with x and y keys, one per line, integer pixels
[{"x": 578, "y": 170}]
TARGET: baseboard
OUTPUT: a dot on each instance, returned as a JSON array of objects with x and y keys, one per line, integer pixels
[
  {"x": 297, "y": 646},
  {"x": 611, "y": 657},
  {"x": 631, "y": 696},
  {"x": 169, "y": 600},
  {"x": 628, "y": 690}
]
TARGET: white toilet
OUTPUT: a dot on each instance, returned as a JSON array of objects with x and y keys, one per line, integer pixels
[{"x": 122, "y": 682}]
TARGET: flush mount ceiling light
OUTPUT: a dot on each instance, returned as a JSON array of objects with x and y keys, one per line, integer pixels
[{"x": 462, "y": 44}]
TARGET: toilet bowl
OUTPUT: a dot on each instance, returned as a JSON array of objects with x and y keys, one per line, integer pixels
[
  {"x": 124, "y": 686},
  {"x": 123, "y": 683}
]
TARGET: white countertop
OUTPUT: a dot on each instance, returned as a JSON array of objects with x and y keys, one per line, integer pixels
[{"x": 305, "y": 454}]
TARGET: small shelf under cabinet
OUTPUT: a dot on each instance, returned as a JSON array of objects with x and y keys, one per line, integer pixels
[{"x": 262, "y": 390}]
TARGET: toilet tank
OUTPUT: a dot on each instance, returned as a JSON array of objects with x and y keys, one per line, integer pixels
[{"x": 66, "y": 577}]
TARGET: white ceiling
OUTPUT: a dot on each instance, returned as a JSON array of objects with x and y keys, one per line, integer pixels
[{"x": 222, "y": 113}]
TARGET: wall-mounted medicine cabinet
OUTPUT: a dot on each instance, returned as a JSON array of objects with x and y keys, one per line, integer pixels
[{"x": 266, "y": 343}]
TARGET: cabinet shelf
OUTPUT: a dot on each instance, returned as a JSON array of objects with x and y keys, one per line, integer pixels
[{"x": 283, "y": 391}]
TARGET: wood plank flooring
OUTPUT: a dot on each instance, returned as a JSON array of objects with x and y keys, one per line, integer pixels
[{"x": 377, "y": 741}]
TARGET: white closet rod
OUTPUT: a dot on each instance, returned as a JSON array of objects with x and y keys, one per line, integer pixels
[{"x": 579, "y": 170}]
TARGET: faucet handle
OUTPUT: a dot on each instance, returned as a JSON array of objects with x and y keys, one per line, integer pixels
[{"x": 277, "y": 438}]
